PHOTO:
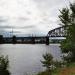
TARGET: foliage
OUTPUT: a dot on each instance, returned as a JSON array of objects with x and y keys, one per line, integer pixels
[
  {"x": 47, "y": 62},
  {"x": 67, "y": 18},
  {"x": 44, "y": 73},
  {"x": 52, "y": 67},
  {"x": 48, "y": 59},
  {"x": 4, "y": 64}
]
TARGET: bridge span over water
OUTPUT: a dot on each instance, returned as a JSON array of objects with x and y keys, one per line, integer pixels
[{"x": 56, "y": 34}]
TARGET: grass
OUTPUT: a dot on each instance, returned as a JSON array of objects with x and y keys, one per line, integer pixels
[{"x": 69, "y": 70}]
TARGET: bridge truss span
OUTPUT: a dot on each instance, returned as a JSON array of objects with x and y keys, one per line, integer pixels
[{"x": 57, "y": 32}]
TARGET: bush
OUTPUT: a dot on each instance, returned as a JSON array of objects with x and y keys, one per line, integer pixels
[
  {"x": 48, "y": 60},
  {"x": 44, "y": 73},
  {"x": 4, "y": 64}
]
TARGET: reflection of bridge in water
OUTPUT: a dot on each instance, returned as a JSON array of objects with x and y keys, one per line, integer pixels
[{"x": 55, "y": 35}]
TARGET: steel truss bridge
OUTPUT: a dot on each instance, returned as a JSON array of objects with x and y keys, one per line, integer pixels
[
  {"x": 57, "y": 32},
  {"x": 56, "y": 35}
]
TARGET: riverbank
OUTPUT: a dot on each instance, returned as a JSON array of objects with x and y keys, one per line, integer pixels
[{"x": 69, "y": 70}]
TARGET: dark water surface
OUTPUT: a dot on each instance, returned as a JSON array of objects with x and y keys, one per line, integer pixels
[{"x": 25, "y": 58}]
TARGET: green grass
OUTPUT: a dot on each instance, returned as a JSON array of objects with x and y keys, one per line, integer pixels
[
  {"x": 71, "y": 65},
  {"x": 57, "y": 70}
]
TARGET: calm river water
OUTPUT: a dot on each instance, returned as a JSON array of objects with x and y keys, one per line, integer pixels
[{"x": 25, "y": 58}]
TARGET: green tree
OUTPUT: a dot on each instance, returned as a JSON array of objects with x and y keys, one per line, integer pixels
[
  {"x": 47, "y": 62},
  {"x": 4, "y": 64},
  {"x": 67, "y": 18}
]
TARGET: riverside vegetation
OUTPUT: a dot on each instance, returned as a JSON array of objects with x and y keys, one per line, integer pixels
[
  {"x": 67, "y": 19},
  {"x": 4, "y": 64},
  {"x": 67, "y": 66}
]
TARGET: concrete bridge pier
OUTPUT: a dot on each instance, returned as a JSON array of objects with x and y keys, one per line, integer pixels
[{"x": 47, "y": 40}]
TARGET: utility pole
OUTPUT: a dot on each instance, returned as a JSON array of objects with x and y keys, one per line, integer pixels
[{"x": 12, "y": 32}]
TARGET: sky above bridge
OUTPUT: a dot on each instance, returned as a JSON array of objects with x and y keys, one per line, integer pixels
[{"x": 27, "y": 17}]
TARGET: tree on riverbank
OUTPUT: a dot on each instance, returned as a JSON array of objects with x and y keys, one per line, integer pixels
[
  {"x": 47, "y": 62},
  {"x": 4, "y": 63},
  {"x": 67, "y": 18}
]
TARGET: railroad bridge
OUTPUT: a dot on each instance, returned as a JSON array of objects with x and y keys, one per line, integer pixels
[{"x": 56, "y": 34}]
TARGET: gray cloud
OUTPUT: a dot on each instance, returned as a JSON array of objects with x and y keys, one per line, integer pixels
[
  {"x": 35, "y": 16},
  {"x": 3, "y": 19},
  {"x": 5, "y": 27},
  {"x": 23, "y": 18},
  {"x": 16, "y": 27}
]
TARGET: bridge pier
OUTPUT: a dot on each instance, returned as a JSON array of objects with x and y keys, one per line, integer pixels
[
  {"x": 1, "y": 39},
  {"x": 14, "y": 41},
  {"x": 47, "y": 40},
  {"x": 33, "y": 40}
]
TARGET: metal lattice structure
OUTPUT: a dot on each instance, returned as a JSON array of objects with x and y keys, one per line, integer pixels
[{"x": 57, "y": 32}]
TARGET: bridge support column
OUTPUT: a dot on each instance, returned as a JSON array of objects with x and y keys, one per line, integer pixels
[
  {"x": 47, "y": 40},
  {"x": 14, "y": 39},
  {"x": 33, "y": 40},
  {"x": 1, "y": 39}
]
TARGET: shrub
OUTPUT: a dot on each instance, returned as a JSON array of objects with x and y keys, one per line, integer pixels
[{"x": 4, "y": 64}]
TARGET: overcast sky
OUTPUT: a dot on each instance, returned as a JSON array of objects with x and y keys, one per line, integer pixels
[{"x": 30, "y": 16}]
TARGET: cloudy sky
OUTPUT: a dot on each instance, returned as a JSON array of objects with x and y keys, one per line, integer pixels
[{"x": 29, "y": 17}]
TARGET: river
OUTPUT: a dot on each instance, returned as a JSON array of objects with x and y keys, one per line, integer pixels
[{"x": 25, "y": 58}]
